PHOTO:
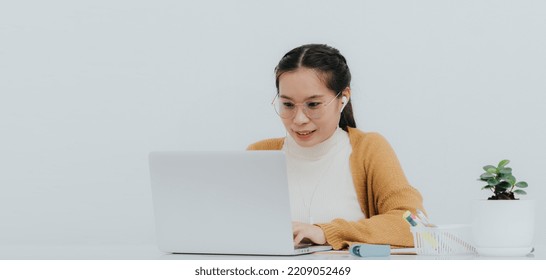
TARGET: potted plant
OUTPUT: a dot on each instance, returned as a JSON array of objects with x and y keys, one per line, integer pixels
[
  {"x": 503, "y": 225},
  {"x": 501, "y": 181}
]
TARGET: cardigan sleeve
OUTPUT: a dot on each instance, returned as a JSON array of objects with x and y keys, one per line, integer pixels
[
  {"x": 267, "y": 144},
  {"x": 384, "y": 194}
]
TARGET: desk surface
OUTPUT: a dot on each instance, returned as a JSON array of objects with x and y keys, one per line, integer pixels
[{"x": 150, "y": 252}]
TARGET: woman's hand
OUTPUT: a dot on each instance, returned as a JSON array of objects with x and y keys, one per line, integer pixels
[{"x": 307, "y": 232}]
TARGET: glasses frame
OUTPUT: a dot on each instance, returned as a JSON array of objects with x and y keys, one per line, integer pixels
[{"x": 303, "y": 107}]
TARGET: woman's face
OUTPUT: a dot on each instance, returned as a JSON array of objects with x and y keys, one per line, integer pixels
[{"x": 303, "y": 86}]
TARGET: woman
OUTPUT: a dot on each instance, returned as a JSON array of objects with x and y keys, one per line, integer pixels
[{"x": 346, "y": 185}]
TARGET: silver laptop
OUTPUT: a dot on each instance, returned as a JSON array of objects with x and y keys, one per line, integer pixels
[{"x": 232, "y": 202}]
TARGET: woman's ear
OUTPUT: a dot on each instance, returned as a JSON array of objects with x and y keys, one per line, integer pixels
[
  {"x": 345, "y": 98},
  {"x": 344, "y": 102}
]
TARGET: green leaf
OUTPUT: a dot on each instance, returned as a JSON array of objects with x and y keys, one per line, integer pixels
[
  {"x": 504, "y": 185},
  {"x": 486, "y": 176},
  {"x": 493, "y": 182},
  {"x": 521, "y": 184},
  {"x": 505, "y": 170},
  {"x": 492, "y": 171},
  {"x": 486, "y": 187},
  {"x": 489, "y": 167},
  {"x": 511, "y": 179},
  {"x": 503, "y": 163},
  {"x": 520, "y": 192}
]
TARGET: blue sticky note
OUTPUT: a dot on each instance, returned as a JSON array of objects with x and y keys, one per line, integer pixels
[{"x": 370, "y": 250}]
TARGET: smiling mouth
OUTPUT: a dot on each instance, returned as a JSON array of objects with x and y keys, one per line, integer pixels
[{"x": 304, "y": 133}]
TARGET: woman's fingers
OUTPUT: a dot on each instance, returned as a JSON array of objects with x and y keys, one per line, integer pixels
[{"x": 303, "y": 231}]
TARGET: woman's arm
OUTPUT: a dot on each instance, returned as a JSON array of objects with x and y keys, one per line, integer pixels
[{"x": 384, "y": 194}]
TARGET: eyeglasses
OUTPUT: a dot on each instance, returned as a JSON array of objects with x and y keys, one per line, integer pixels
[{"x": 312, "y": 109}]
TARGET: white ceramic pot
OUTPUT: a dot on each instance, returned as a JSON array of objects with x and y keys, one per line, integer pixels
[{"x": 503, "y": 228}]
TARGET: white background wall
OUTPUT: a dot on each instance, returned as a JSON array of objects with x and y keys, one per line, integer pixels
[{"x": 88, "y": 88}]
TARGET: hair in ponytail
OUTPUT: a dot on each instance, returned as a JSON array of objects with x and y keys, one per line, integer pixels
[{"x": 327, "y": 61}]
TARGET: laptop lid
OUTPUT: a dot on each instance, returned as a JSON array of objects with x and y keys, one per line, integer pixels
[{"x": 229, "y": 202}]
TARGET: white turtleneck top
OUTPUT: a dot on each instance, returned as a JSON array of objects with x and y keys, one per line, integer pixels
[{"x": 320, "y": 180}]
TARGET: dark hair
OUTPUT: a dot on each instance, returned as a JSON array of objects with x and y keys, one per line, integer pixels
[{"x": 327, "y": 61}]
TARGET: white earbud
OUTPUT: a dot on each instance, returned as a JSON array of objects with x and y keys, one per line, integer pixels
[{"x": 344, "y": 102}]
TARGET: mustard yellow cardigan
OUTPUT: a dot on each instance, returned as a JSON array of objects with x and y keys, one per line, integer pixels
[{"x": 382, "y": 189}]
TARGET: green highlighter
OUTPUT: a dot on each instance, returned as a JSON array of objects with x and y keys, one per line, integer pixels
[{"x": 370, "y": 250}]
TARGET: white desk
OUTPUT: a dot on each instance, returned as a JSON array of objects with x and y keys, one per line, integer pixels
[{"x": 150, "y": 252}]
